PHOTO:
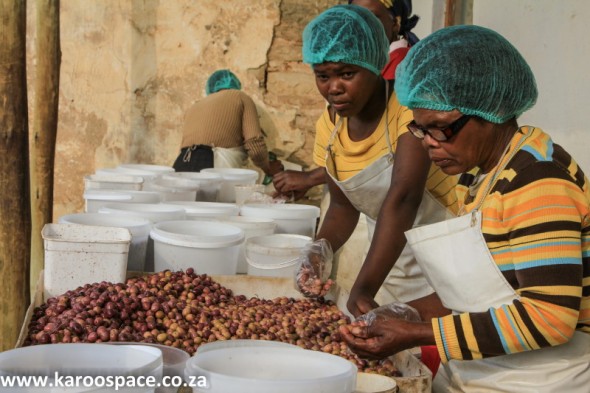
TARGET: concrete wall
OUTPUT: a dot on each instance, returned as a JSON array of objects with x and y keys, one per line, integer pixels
[
  {"x": 552, "y": 35},
  {"x": 130, "y": 69}
]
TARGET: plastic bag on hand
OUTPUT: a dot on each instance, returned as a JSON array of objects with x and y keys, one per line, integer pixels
[
  {"x": 312, "y": 277},
  {"x": 389, "y": 311}
]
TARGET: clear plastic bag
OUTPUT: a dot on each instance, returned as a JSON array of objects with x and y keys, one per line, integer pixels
[
  {"x": 312, "y": 277},
  {"x": 393, "y": 310}
]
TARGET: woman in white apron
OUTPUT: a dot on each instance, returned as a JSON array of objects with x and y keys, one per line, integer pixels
[
  {"x": 514, "y": 266},
  {"x": 370, "y": 135}
]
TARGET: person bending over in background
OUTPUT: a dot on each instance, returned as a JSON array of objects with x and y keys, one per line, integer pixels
[
  {"x": 398, "y": 22},
  {"x": 222, "y": 130},
  {"x": 515, "y": 266}
]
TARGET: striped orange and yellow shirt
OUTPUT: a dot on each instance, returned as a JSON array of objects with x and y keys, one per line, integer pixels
[{"x": 536, "y": 224}]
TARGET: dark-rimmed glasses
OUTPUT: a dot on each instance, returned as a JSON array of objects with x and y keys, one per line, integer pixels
[{"x": 439, "y": 134}]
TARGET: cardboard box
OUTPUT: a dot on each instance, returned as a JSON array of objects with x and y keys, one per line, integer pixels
[{"x": 416, "y": 378}]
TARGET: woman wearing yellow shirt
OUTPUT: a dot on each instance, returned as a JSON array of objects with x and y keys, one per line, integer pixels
[{"x": 370, "y": 158}]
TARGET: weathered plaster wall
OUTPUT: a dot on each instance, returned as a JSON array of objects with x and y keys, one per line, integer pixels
[{"x": 131, "y": 68}]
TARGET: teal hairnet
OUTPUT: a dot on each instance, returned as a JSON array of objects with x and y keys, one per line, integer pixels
[
  {"x": 222, "y": 79},
  {"x": 469, "y": 68},
  {"x": 346, "y": 34}
]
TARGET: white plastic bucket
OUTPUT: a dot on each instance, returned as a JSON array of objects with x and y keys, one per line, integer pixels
[
  {"x": 252, "y": 226},
  {"x": 174, "y": 190},
  {"x": 82, "y": 360},
  {"x": 291, "y": 218},
  {"x": 207, "y": 210},
  {"x": 139, "y": 228},
  {"x": 208, "y": 247},
  {"x": 272, "y": 369},
  {"x": 155, "y": 212},
  {"x": 231, "y": 178},
  {"x": 95, "y": 199},
  {"x": 208, "y": 183},
  {"x": 113, "y": 182},
  {"x": 274, "y": 255},
  {"x": 76, "y": 255},
  {"x": 174, "y": 360}
]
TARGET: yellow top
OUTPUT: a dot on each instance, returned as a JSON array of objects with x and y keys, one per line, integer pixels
[{"x": 351, "y": 156}]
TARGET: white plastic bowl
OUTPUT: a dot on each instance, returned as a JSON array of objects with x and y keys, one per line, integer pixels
[
  {"x": 207, "y": 210},
  {"x": 208, "y": 183},
  {"x": 231, "y": 178},
  {"x": 208, "y": 247},
  {"x": 291, "y": 218},
  {"x": 272, "y": 370},
  {"x": 274, "y": 255},
  {"x": 81, "y": 359},
  {"x": 252, "y": 226},
  {"x": 138, "y": 227}
]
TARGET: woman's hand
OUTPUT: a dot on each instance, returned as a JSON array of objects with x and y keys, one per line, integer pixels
[
  {"x": 386, "y": 337},
  {"x": 289, "y": 181}
]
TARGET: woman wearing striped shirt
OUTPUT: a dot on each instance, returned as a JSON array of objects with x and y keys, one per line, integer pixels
[{"x": 514, "y": 267}]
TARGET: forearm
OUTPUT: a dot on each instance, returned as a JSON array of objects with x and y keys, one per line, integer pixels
[
  {"x": 386, "y": 246},
  {"x": 316, "y": 176},
  {"x": 338, "y": 225}
]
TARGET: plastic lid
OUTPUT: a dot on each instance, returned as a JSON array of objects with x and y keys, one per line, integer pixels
[
  {"x": 152, "y": 211},
  {"x": 114, "y": 178},
  {"x": 80, "y": 359},
  {"x": 199, "y": 177},
  {"x": 207, "y": 209},
  {"x": 159, "y": 169},
  {"x": 197, "y": 234},
  {"x": 107, "y": 195},
  {"x": 135, "y": 224},
  {"x": 85, "y": 233},
  {"x": 273, "y": 369},
  {"x": 233, "y": 173},
  {"x": 284, "y": 211}
]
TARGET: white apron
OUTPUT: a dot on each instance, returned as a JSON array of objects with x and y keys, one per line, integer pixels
[
  {"x": 234, "y": 157},
  {"x": 457, "y": 263},
  {"x": 366, "y": 191}
]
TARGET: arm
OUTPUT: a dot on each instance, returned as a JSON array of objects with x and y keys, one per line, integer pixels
[
  {"x": 254, "y": 142},
  {"x": 396, "y": 216},
  {"x": 540, "y": 248},
  {"x": 340, "y": 220},
  {"x": 298, "y": 183}
]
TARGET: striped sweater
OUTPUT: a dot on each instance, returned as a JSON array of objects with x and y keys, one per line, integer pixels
[
  {"x": 227, "y": 119},
  {"x": 536, "y": 223}
]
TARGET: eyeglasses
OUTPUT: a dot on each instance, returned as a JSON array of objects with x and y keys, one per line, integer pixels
[{"x": 439, "y": 134}]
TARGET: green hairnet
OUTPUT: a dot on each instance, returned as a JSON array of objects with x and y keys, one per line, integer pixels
[
  {"x": 346, "y": 34},
  {"x": 222, "y": 79},
  {"x": 469, "y": 68}
]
